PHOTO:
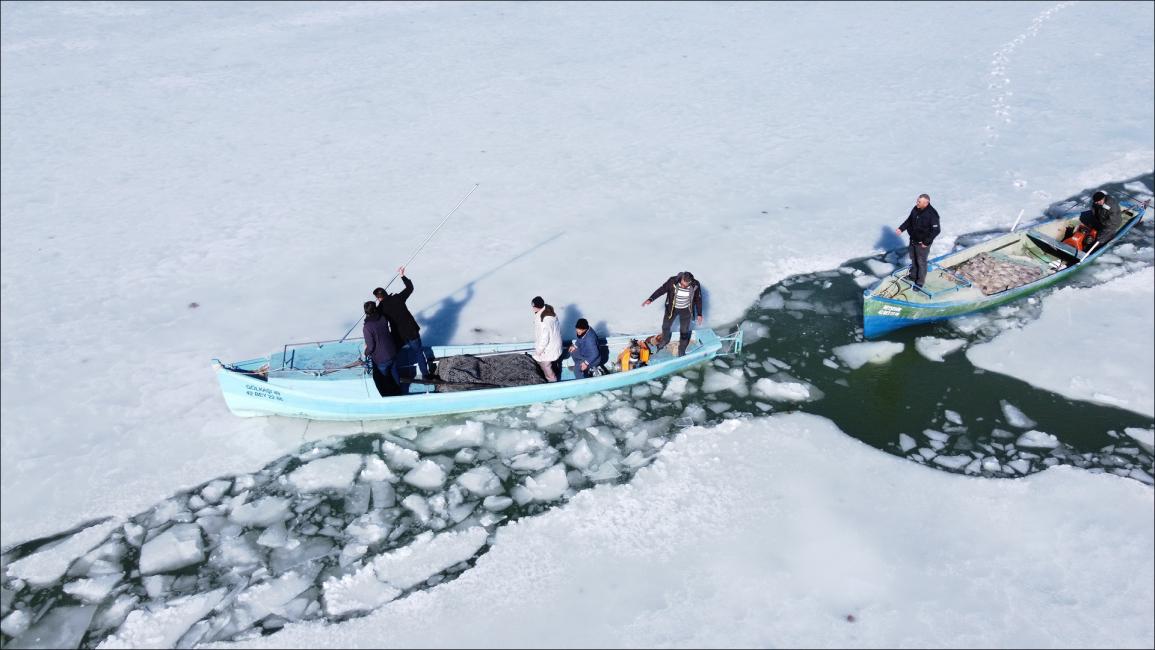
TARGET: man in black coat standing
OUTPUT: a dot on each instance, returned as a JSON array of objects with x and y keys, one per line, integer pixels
[
  {"x": 922, "y": 226},
  {"x": 683, "y": 301},
  {"x": 392, "y": 306}
]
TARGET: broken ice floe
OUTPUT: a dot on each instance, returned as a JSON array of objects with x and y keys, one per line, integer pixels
[
  {"x": 879, "y": 269},
  {"x": 1015, "y": 417},
  {"x": 786, "y": 390},
  {"x": 1037, "y": 439},
  {"x": 856, "y": 355},
  {"x": 48, "y": 564},
  {"x": 935, "y": 348},
  {"x": 292, "y": 542}
]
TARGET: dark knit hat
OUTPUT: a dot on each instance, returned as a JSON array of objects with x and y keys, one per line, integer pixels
[
  {"x": 582, "y": 324},
  {"x": 537, "y": 302},
  {"x": 1098, "y": 196}
]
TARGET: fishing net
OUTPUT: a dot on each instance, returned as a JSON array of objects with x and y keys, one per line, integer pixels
[{"x": 467, "y": 372}]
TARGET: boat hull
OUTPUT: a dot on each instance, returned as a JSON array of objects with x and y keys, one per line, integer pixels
[
  {"x": 881, "y": 316},
  {"x": 249, "y": 396}
]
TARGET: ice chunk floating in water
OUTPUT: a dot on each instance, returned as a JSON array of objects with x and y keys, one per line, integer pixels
[
  {"x": 1038, "y": 440},
  {"x": 857, "y": 355},
  {"x": 785, "y": 391},
  {"x": 332, "y": 473},
  {"x": 935, "y": 349},
  {"x": 48, "y": 565},
  {"x": 175, "y": 548},
  {"x": 1015, "y": 417}
]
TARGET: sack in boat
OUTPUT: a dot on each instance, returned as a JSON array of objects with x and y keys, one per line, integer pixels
[{"x": 494, "y": 371}]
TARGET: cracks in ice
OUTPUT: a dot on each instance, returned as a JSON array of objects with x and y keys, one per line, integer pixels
[{"x": 334, "y": 531}]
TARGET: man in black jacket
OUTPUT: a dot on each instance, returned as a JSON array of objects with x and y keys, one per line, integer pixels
[
  {"x": 393, "y": 307},
  {"x": 683, "y": 301},
  {"x": 922, "y": 225}
]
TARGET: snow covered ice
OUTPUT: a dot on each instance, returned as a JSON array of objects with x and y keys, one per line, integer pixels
[
  {"x": 671, "y": 522},
  {"x": 1118, "y": 374},
  {"x": 208, "y": 179}
]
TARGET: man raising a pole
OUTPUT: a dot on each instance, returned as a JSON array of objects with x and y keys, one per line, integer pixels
[{"x": 392, "y": 306}]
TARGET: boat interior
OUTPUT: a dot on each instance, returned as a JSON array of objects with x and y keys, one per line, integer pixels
[
  {"x": 1002, "y": 263},
  {"x": 338, "y": 362}
]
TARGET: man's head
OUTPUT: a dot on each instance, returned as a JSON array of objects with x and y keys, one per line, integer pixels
[
  {"x": 379, "y": 293},
  {"x": 537, "y": 303},
  {"x": 370, "y": 307},
  {"x": 1097, "y": 197},
  {"x": 582, "y": 326},
  {"x": 685, "y": 278},
  {"x": 923, "y": 201}
]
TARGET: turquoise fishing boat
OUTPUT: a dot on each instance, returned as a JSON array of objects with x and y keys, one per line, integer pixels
[
  {"x": 991, "y": 273},
  {"x": 328, "y": 380}
]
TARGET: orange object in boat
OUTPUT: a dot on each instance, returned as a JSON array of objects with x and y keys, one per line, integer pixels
[{"x": 1081, "y": 237}]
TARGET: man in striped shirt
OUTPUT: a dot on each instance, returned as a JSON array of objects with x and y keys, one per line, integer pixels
[{"x": 684, "y": 302}]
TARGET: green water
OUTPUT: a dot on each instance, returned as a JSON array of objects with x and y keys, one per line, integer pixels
[{"x": 910, "y": 393}]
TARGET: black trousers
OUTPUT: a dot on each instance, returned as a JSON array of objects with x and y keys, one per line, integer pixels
[
  {"x": 918, "y": 262},
  {"x": 685, "y": 321}
]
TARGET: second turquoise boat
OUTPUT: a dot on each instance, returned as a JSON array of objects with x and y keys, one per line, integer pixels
[{"x": 1016, "y": 264}]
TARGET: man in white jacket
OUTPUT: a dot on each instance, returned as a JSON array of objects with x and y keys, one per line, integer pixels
[{"x": 546, "y": 338}]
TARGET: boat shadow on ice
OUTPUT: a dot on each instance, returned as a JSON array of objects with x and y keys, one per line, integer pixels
[{"x": 442, "y": 318}]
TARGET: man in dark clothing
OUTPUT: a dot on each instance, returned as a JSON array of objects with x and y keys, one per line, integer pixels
[
  {"x": 1105, "y": 216},
  {"x": 922, "y": 226},
  {"x": 379, "y": 342},
  {"x": 392, "y": 306},
  {"x": 683, "y": 301}
]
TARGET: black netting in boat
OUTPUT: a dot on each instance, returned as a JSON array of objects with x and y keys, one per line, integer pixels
[{"x": 467, "y": 372}]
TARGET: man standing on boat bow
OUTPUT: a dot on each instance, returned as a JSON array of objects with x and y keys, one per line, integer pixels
[
  {"x": 392, "y": 307},
  {"x": 683, "y": 301},
  {"x": 922, "y": 226}
]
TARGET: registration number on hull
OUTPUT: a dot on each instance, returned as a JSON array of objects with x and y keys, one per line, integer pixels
[{"x": 261, "y": 391}]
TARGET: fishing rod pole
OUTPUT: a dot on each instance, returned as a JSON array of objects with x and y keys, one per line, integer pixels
[{"x": 398, "y": 274}]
